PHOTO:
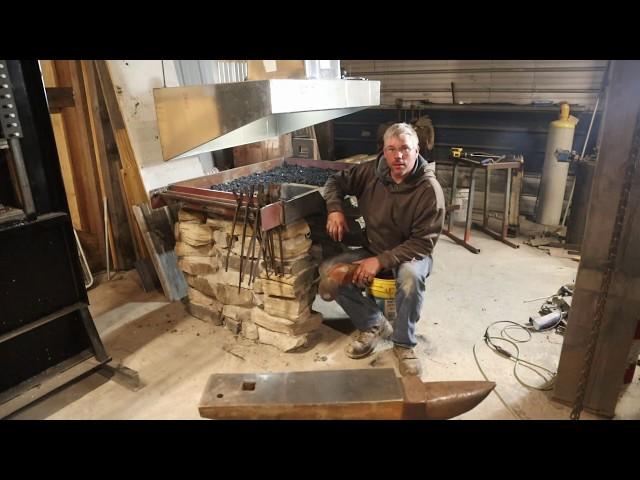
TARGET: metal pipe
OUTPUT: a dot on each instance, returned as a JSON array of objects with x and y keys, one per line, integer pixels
[
  {"x": 233, "y": 227},
  {"x": 23, "y": 179},
  {"x": 467, "y": 228},
  {"x": 252, "y": 243},
  {"x": 88, "y": 277},
  {"x": 256, "y": 235},
  {"x": 507, "y": 199},
  {"x": 106, "y": 236},
  {"x": 279, "y": 231},
  {"x": 262, "y": 237},
  {"x": 203, "y": 204},
  {"x": 584, "y": 148},
  {"x": 262, "y": 242},
  {"x": 244, "y": 232},
  {"x": 454, "y": 179},
  {"x": 487, "y": 190}
]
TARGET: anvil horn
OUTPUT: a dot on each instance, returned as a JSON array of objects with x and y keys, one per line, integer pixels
[{"x": 445, "y": 400}]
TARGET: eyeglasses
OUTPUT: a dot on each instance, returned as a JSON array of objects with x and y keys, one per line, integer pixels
[{"x": 404, "y": 150}]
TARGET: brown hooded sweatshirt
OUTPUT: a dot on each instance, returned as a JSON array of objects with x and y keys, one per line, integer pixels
[{"x": 403, "y": 221}]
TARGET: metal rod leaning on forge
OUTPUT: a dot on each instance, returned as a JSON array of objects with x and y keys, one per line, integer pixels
[
  {"x": 256, "y": 266},
  {"x": 279, "y": 232},
  {"x": 269, "y": 235},
  {"x": 260, "y": 238},
  {"x": 262, "y": 254},
  {"x": 272, "y": 253},
  {"x": 252, "y": 243},
  {"x": 244, "y": 233},
  {"x": 263, "y": 236},
  {"x": 274, "y": 196},
  {"x": 238, "y": 197}
]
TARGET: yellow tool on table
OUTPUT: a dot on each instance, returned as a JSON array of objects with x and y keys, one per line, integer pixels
[{"x": 456, "y": 152}]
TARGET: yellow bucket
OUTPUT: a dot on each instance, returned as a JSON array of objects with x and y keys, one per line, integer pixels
[{"x": 383, "y": 288}]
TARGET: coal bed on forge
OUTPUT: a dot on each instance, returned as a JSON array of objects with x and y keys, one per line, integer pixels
[{"x": 283, "y": 174}]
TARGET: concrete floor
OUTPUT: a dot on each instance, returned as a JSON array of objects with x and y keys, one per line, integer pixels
[{"x": 175, "y": 353}]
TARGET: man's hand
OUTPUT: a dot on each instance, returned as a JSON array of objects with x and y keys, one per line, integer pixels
[
  {"x": 366, "y": 271},
  {"x": 336, "y": 225}
]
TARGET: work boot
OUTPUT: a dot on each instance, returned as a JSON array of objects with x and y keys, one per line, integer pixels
[
  {"x": 366, "y": 341},
  {"x": 407, "y": 361}
]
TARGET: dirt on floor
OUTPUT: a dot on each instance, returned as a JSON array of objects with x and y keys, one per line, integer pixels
[{"x": 174, "y": 353}]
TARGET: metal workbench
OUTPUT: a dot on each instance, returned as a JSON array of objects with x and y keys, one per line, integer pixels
[{"x": 488, "y": 167}]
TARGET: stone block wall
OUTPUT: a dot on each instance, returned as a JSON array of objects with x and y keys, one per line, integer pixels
[{"x": 274, "y": 310}]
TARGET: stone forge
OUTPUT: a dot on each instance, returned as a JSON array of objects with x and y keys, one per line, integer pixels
[{"x": 274, "y": 310}]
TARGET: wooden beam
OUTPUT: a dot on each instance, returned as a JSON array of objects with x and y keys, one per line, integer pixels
[
  {"x": 83, "y": 159},
  {"x": 48, "y": 73},
  {"x": 134, "y": 190},
  {"x": 59, "y": 98},
  {"x": 108, "y": 160},
  {"x": 64, "y": 157},
  {"x": 99, "y": 155},
  {"x": 62, "y": 146},
  {"x": 622, "y": 307}
]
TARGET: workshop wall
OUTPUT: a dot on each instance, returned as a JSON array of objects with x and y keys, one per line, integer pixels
[
  {"x": 134, "y": 81},
  {"x": 520, "y": 82},
  {"x": 495, "y": 106},
  {"x": 492, "y": 129},
  {"x": 424, "y": 84}
]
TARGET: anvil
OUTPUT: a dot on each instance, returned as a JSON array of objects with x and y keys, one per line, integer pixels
[{"x": 361, "y": 394}]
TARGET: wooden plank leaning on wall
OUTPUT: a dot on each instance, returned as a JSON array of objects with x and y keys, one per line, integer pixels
[
  {"x": 163, "y": 257},
  {"x": 134, "y": 190},
  {"x": 120, "y": 231},
  {"x": 98, "y": 161},
  {"x": 77, "y": 159},
  {"x": 89, "y": 147}
]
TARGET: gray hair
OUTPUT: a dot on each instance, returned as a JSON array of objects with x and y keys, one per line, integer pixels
[{"x": 398, "y": 129}]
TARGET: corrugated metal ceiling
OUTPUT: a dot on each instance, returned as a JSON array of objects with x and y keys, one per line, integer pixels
[{"x": 518, "y": 82}]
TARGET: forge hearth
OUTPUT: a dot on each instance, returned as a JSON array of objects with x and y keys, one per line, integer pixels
[
  {"x": 261, "y": 285},
  {"x": 296, "y": 200}
]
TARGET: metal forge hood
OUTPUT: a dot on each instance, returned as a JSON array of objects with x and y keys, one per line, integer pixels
[{"x": 204, "y": 118}]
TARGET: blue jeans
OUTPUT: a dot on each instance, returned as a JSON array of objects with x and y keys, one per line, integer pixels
[{"x": 410, "y": 288}]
